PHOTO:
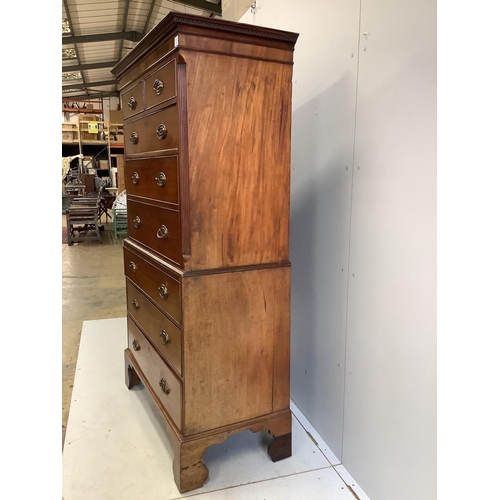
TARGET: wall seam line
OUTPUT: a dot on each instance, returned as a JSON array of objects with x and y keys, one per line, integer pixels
[{"x": 349, "y": 238}]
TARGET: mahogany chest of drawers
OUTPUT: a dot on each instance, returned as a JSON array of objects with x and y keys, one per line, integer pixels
[{"x": 207, "y": 125}]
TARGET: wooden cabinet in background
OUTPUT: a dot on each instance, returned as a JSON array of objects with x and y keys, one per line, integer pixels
[
  {"x": 207, "y": 125},
  {"x": 120, "y": 173},
  {"x": 89, "y": 181}
]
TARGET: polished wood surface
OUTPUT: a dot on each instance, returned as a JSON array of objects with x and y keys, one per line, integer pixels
[
  {"x": 146, "y": 129},
  {"x": 135, "y": 92},
  {"x": 218, "y": 286},
  {"x": 150, "y": 278},
  {"x": 147, "y": 174},
  {"x": 154, "y": 323},
  {"x": 157, "y": 371},
  {"x": 144, "y": 222},
  {"x": 166, "y": 75}
]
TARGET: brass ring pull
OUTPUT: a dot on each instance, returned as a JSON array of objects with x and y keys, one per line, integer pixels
[
  {"x": 158, "y": 86},
  {"x": 136, "y": 345},
  {"x": 134, "y": 138},
  {"x": 135, "y": 304},
  {"x": 135, "y": 178},
  {"x": 163, "y": 291},
  {"x": 161, "y": 131},
  {"x": 162, "y": 232},
  {"x": 164, "y": 386},
  {"x": 132, "y": 103},
  {"x": 165, "y": 339},
  {"x": 133, "y": 266},
  {"x": 137, "y": 222},
  {"x": 161, "y": 180}
]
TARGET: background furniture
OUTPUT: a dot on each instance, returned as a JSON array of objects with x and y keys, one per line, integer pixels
[
  {"x": 107, "y": 200},
  {"x": 206, "y": 257},
  {"x": 89, "y": 181},
  {"x": 82, "y": 218},
  {"x": 119, "y": 221}
]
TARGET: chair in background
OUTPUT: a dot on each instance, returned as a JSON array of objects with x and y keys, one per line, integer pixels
[
  {"x": 120, "y": 226},
  {"x": 82, "y": 219}
]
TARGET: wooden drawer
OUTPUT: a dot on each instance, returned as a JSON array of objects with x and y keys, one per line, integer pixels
[
  {"x": 163, "y": 290},
  {"x": 132, "y": 101},
  {"x": 160, "y": 86},
  {"x": 141, "y": 135},
  {"x": 153, "y": 322},
  {"x": 156, "y": 371},
  {"x": 154, "y": 178},
  {"x": 145, "y": 223}
]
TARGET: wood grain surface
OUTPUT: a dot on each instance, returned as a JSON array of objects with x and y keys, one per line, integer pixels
[
  {"x": 230, "y": 334},
  {"x": 239, "y": 160}
]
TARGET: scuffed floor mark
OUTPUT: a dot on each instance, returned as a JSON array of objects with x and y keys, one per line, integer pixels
[{"x": 353, "y": 492}]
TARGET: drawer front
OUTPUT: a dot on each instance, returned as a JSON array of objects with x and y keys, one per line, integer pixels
[
  {"x": 156, "y": 132},
  {"x": 157, "y": 228},
  {"x": 160, "y": 330},
  {"x": 154, "y": 178},
  {"x": 162, "y": 289},
  {"x": 160, "y": 86},
  {"x": 132, "y": 101},
  {"x": 161, "y": 379}
]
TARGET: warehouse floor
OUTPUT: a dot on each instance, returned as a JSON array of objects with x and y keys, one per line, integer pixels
[{"x": 93, "y": 287}]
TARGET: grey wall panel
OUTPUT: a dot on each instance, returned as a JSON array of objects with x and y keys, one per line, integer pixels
[
  {"x": 390, "y": 399},
  {"x": 376, "y": 411},
  {"x": 319, "y": 247}
]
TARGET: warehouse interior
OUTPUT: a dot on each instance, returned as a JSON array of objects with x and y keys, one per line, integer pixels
[
  {"x": 363, "y": 217},
  {"x": 363, "y": 207}
]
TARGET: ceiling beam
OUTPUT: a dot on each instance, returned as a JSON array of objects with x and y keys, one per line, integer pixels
[
  {"x": 85, "y": 67},
  {"x": 68, "y": 17},
  {"x": 216, "y": 8},
  {"x": 89, "y": 84},
  {"x": 124, "y": 27},
  {"x": 112, "y": 93},
  {"x": 133, "y": 36},
  {"x": 150, "y": 12}
]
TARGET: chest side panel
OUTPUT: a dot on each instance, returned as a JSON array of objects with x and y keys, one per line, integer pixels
[
  {"x": 233, "y": 324},
  {"x": 238, "y": 116}
]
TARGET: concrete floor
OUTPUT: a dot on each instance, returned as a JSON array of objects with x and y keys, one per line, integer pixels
[{"x": 93, "y": 287}]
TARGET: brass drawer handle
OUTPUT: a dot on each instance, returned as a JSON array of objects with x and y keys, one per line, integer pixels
[
  {"x": 164, "y": 386},
  {"x": 165, "y": 339},
  {"x": 133, "y": 266},
  {"x": 161, "y": 180},
  {"x": 163, "y": 291},
  {"x": 161, "y": 131},
  {"x": 136, "y": 345},
  {"x": 135, "y": 304},
  {"x": 162, "y": 232},
  {"x": 134, "y": 138},
  {"x": 158, "y": 86},
  {"x": 135, "y": 178},
  {"x": 132, "y": 103},
  {"x": 137, "y": 222}
]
